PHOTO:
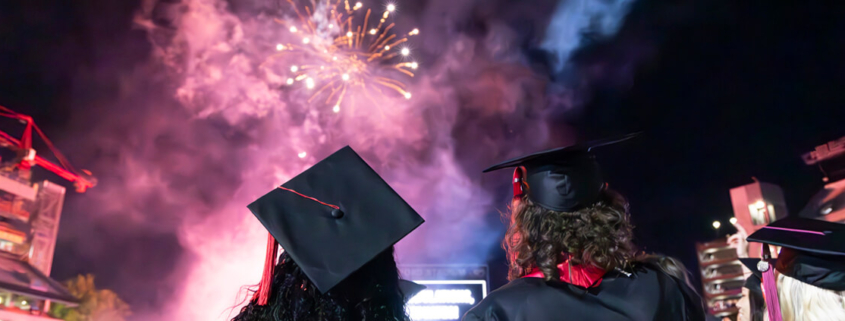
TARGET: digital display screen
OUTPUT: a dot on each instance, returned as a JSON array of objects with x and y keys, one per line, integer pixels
[{"x": 450, "y": 291}]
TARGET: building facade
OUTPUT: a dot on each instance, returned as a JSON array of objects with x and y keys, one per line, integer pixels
[
  {"x": 721, "y": 277},
  {"x": 829, "y": 203},
  {"x": 756, "y": 205},
  {"x": 29, "y": 222}
]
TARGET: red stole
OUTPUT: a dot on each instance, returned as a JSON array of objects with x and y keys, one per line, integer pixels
[{"x": 585, "y": 276}]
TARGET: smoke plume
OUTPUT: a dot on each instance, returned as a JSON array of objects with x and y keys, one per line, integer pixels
[
  {"x": 204, "y": 129},
  {"x": 574, "y": 18}
]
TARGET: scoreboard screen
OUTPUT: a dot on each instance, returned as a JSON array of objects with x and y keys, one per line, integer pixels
[{"x": 451, "y": 290}]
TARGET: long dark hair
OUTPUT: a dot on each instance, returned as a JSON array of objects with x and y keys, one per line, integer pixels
[
  {"x": 756, "y": 302},
  {"x": 600, "y": 234},
  {"x": 372, "y": 293}
]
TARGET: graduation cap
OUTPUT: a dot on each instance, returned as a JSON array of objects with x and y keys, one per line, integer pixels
[
  {"x": 812, "y": 251},
  {"x": 332, "y": 219},
  {"x": 561, "y": 179},
  {"x": 410, "y": 289},
  {"x": 754, "y": 281}
]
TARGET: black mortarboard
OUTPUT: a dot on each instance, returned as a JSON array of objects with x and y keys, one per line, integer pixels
[
  {"x": 753, "y": 281},
  {"x": 812, "y": 251},
  {"x": 334, "y": 217},
  {"x": 410, "y": 289},
  {"x": 561, "y": 179}
]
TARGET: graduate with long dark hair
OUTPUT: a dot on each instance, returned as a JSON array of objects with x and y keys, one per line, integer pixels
[
  {"x": 337, "y": 223},
  {"x": 752, "y": 305},
  {"x": 570, "y": 250},
  {"x": 371, "y": 293}
]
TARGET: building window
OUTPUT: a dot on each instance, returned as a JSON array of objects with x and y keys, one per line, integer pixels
[
  {"x": 7, "y": 246},
  {"x": 761, "y": 213}
]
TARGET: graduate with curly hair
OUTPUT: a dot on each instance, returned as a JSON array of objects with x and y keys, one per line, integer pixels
[
  {"x": 337, "y": 223},
  {"x": 570, "y": 250}
]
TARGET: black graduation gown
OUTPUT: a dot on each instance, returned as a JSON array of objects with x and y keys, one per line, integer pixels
[{"x": 647, "y": 294}]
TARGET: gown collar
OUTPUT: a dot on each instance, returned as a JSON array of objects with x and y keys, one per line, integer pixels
[{"x": 585, "y": 276}]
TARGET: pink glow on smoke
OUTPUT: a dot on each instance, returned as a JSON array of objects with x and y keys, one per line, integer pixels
[{"x": 214, "y": 59}]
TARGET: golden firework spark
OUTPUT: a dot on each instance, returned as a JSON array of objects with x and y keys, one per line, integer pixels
[{"x": 342, "y": 55}]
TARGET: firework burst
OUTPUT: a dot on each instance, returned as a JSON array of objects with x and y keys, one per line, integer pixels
[{"x": 341, "y": 56}]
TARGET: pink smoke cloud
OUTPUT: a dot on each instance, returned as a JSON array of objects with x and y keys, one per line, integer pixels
[{"x": 473, "y": 102}]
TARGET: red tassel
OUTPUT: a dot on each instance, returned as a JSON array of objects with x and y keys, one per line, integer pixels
[
  {"x": 263, "y": 294},
  {"x": 770, "y": 287},
  {"x": 517, "y": 183}
]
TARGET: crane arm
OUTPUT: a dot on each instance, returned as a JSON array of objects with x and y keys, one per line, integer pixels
[{"x": 82, "y": 181}]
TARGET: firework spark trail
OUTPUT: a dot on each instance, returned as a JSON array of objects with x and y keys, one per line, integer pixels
[{"x": 338, "y": 55}]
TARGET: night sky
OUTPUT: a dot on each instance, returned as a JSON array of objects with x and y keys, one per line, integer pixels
[{"x": 723, "y": 90}]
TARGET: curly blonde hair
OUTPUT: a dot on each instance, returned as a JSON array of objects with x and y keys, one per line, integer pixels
[{"x": 539, "y": 238}]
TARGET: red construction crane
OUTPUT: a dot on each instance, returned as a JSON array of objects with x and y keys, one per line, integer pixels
[{"x": 82, "y": 180}]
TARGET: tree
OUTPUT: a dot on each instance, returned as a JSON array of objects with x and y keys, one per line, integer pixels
[{"x": 95, "y": 305}]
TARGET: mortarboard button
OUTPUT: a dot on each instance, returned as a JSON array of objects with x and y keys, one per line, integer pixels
[
  {"x": 337, "y": 213},
  {"x": 758, "y": 266},
  {"x": 762, "y": 266}
]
